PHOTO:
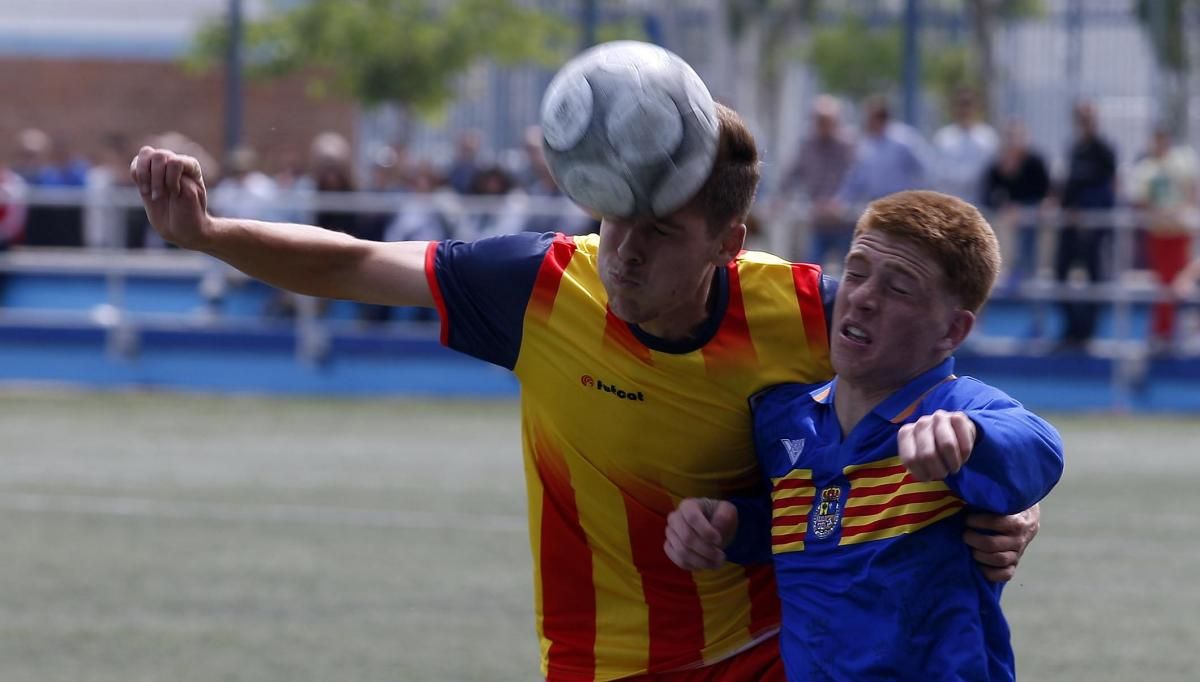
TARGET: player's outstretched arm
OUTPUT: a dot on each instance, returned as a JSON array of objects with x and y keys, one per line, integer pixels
[{"x": 301, "y": 258}]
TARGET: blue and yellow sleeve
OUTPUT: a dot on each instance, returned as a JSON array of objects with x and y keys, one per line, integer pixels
[{"x": 482, "y": 288}]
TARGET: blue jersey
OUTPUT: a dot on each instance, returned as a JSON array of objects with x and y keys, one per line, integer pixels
[{"x": 875, "y": 579}]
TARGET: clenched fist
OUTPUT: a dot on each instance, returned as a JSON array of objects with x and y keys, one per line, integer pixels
[
  {"x": 172, "y": 189},
  {"x": 936, "y": 445},
  {"x": 698, "y": 532}
]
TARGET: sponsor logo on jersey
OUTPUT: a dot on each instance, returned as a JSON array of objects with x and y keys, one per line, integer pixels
[
  {"x": 589, "y": 381},
  {"x": 794, "y": 447}
]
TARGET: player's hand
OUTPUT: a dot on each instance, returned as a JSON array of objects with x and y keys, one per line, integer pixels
[
  {"x": 698, "y": 532},
  {"x": 173, "y": 194},
  {"x": 1003, "y": 541},
  {"x": 936, "y": 445}
]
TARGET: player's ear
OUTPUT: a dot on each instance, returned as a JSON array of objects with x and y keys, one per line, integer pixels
[
  {"x": 733, "y": 238},
  {"x": 961, "y": 324}
]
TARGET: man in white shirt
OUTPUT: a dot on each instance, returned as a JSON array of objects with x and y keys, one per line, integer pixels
[{"x": 964, "y": 149}]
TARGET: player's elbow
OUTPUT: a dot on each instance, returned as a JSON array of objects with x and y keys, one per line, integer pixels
[
  {"x": 385, "y": 274},
  {"x": 1042, "y": 471}
]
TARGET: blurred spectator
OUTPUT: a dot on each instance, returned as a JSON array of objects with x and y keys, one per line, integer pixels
[
  {"x": 1163, "y": 185},
  {"x": 43, "y": 165},
  {"x": 465, "y": 165},
  {"x": 964, "y": 149},
  {"x": 295, "y": 188},
  {"x": 245, "y": 191},
  {"x": 388, "y": 174},
  {"x": 537, "y": 182},
  {"x": 1187, "y": 282},
  {"x": 492, "y": 209},
  {"x": 103, "y": 220},
  {"x": 1090, "y": 187},
  {"x": 12, "y": 214},
  {"x": 331, "y": 174},
  {"x": 1015, "y": 184},
  {"x": 1186, "y": 287},
  {"x": 891, "y": 157},
  {"x": 821, "y": 164},
  {"x": 12, "y": 206},
  {"x": 424, "y": 210},
  {"x": 418, "y": 217},
  {"x": 390, "y": 170}
]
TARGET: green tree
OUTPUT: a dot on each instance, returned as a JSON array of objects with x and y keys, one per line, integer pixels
[
  {"x": 986, "y": 17},
  {"x": 771, "y": 31},
  {"x": 406, "y": 52},
  {"x": 1164, "y": 23},
  {"x": 853, "y": 59}
]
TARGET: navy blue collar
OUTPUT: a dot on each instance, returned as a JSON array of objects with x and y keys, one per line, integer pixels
[{"x": 703, "y": 335}]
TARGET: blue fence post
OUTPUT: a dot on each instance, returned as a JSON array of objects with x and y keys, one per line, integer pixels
[
  {"x": 233, "y": 79},
  {"x": 912, "y": 62}
]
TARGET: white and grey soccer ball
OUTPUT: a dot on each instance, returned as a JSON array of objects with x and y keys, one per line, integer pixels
[{"x": 629, "y": 130}]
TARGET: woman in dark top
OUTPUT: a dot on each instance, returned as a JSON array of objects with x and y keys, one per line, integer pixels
[{"x": 1014, "y": 185}]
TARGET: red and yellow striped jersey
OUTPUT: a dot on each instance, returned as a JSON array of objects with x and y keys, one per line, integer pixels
[{"x": 618, "y": 428}]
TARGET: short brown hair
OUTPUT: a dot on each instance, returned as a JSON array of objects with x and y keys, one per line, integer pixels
[
  {"x": 950, "y": 230},
  {"x": 729, "y": 191}
]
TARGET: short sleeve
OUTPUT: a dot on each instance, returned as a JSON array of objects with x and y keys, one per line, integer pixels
[{"x": 482, "y": 288}]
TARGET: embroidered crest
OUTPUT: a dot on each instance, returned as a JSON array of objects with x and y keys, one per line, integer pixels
[
  {"x": 794, "y": 447},
  {"x": 827, "y": 514}
]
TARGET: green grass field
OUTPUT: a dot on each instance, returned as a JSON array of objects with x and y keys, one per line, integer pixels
[{"x": 166, "y": 537}]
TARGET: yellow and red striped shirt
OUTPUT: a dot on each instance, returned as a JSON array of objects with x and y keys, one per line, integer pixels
[{"x": 617, "y": 429}]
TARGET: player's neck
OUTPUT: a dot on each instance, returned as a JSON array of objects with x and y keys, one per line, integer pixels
[
  {"x": 853, "y": 402},
  {"x": 685, "y": 320}
]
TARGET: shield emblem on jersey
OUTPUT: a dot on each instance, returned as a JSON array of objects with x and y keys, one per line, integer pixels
[{"x": 827, "y": 513}]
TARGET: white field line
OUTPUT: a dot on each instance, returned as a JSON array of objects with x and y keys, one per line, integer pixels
[{"x": 260, "y": 513}]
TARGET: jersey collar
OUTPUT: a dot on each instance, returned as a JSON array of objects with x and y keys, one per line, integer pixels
[
  {"x": 898, "y": 406},
  {"x": 707, "y": 330}
]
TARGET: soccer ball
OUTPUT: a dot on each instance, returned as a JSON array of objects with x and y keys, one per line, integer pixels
[{"x": 629, "y": 130}]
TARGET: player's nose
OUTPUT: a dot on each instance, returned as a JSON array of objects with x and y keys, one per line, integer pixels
[
  {"x": 863, "y": 296},
  {"x": 632, "y": 246}
]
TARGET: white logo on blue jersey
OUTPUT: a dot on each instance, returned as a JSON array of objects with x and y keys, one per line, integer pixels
[{"x": 794, "y": 447}]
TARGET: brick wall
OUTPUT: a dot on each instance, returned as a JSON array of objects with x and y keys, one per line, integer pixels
[{"x": 80, "y": 102}]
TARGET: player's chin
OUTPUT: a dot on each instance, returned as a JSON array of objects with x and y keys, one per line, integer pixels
[
  {"x": 840, "y": 353},
  {"x": 628, "y": 310}
]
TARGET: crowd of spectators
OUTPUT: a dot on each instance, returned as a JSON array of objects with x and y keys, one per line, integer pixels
[
  {"x": 430, "y": 201},
  {"x": 833, "y": 175},
  {"x": 469, "y": 197}
]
